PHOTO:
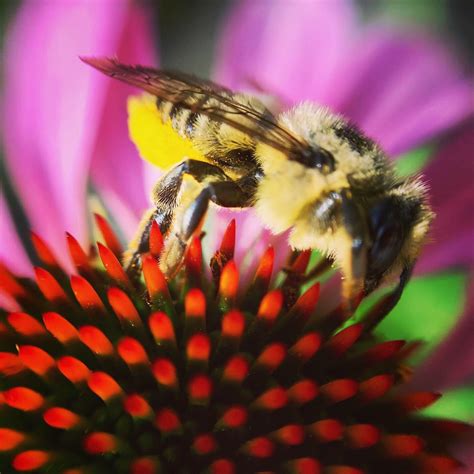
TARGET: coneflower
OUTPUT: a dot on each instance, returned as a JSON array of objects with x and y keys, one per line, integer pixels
[{"x": 102, "y": 374}]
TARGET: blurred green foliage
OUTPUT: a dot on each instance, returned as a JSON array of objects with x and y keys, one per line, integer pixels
[
  {"x": 427, "y": 311},
  {"x": 414, "y": 161},
  {"x": 449, "y": 18},
  {"x": 455, "y": 404}
]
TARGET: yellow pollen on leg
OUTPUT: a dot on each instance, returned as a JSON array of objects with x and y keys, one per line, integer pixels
[{"x": 157, "y": 142}]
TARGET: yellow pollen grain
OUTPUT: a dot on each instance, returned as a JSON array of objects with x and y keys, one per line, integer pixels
[{"x": 157, "y": 142}]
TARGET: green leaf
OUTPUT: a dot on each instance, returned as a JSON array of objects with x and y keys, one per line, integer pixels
[
  {"x": 455, "y": 404},
  {"x": 432, "y": 13},
  {"x": 427, "y": 311},
  {"x": 414, "y": 161}
]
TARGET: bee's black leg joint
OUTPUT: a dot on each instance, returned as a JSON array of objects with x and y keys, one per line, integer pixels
[
  {"x": 386, "y": 304},
  {"x": 320, "y": 268},
  {"x": 404, "y": 279},
  {"x": 195, "y": 212},
  {"x": 224, "y": 193}
]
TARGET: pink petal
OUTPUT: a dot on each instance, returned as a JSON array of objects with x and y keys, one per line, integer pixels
[
  {"x": 53, "y": 108},
  {"x": 401, "y": 87},
  {"x": 116, "y": 169},
  {"x": 288, "y": 48},
  {"x": 449, "y": 177},
  {"x": 465, "y": 453},
  {"x": 11, "y": 251}
]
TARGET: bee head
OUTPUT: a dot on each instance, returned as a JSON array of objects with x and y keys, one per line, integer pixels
[
  {"x": 388, "y": 225},
  {"x": 393, "y": 224},
  {"x": 345, "y": 200},
  {"x": 385, "y": 233}
]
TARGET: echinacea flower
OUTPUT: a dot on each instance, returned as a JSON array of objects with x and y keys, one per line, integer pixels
[
  {"x": 68, "y": 132},
  {"x": 102, "y": 375}
]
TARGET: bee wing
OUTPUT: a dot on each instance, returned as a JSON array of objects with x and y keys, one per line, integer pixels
[{"x": 192, "y": 93}]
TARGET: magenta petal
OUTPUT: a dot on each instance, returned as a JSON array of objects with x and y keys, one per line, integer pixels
[
  {"x": 288, "y": 48},
  {"x": 465, "y": 453},
  {"x": 53, "y": 108},
  {"x": 116, "y": 169},
  {"x": 11, "y": 251},
  {"x": 402, "y": 88},
  {"x": 449, "y": 177}
]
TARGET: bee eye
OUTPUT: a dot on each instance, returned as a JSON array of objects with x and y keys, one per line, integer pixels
[
  {"x": 320, "y": 159},
  {"x": 387, "y": 237}
]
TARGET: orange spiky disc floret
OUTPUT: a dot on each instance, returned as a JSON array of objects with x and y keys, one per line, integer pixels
[{"x": 103, "y": 372}]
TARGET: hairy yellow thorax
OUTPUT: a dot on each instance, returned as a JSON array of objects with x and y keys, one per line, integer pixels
[{"x": 157, "y": 141}]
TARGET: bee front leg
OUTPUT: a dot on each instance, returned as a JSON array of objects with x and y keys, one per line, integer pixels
[
  {"x": 355, "y": 262},
  {"x": 384, "y": 306}
]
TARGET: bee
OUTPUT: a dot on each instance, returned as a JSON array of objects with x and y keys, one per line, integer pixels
[{"x": 307, "y": 169}]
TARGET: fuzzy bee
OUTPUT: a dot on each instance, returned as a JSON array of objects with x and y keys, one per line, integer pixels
[{"x": 307, "y": 170}]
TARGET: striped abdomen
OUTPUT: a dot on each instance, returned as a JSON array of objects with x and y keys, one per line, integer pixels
[
  {"x": 183, "y": 120},
  {"x": 221, "y": 144}
]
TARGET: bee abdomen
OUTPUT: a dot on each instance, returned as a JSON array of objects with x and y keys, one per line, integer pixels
[
  {"x": 183, "y": 120},
  {"x": 219, "y": 143}
]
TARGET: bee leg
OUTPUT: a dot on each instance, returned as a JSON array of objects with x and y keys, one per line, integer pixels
[
  {"x": 169, "y": 195},
  {"x": 139, "y": 244},
  {"x": 223, "y": 193},
  {"x": 355, "y": 266},
  {"x": 389, "y": 302},
  {"x": 165, "y": 197},
  {"x": 320, "y": 268}
]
